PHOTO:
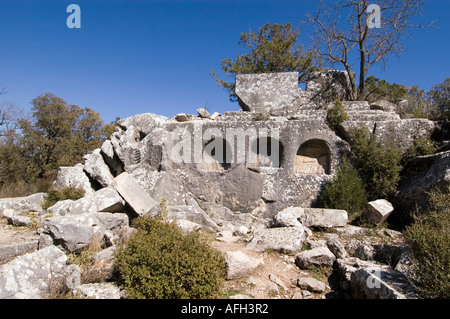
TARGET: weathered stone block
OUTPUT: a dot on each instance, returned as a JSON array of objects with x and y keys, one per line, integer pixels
[
  {"x": 203, "y": 113},
  {"x": 73, "y": 232},
  {"x": 320, "y": 256},
  {"x": 270, "y": 93},
  {"x": 380, "y": 283},
  {"x": 97, "y": 169},
  {"x": 32, "y": 275},
  {"x": 134, "y": 194},
  {"x": 284, "y": 239},
  {"x": 239, "y": 265},
  {"x": 74, "y": 177},
  {"x": 324, "y": 218},
  {"x": 311, "y": 284},
  {"x": 378, "y": 211}
]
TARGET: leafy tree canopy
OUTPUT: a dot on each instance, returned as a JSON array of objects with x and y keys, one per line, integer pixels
[{"x": 274, "y": 48}]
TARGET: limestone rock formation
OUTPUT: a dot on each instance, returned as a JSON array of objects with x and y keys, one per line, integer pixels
[
  {"x": 34, "y": 275},
  {"x": 251, "y": 175}
]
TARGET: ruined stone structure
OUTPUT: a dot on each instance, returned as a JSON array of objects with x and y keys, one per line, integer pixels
[
  {"x": 244, "y": 166},
  {"x": 251, "y": 175}
]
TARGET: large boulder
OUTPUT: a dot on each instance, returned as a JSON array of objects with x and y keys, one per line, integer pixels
[
  {"x": 104, "y": 200},
  {"x": 239, "y": 265},
  {"x": 12, "y": 250},
  {"x": 289, "y": 217},
  {"x": 324, "y": 218},
  {"x": 329, "y": 85},
  {"x": 135, "y": 196},
  {"x": 311, "y": 284},
  {"x": 421, "y": 175},
  {"x": 311, "y": 217},
  {"x": 73, "y": 177},
  {"x": 380, "y": 283},
  {"x": 97, "y": 169},
  {"x": 377, "y": 211},
  {"x": 192, "y": 213},
  {"x": 73, "y": 232},
  {"x": 16, "y": 219},
  {"x": 22, "y": 205},
  {"x": 269, "y": 93},
  {"x": 320, "y": 256},
  {"x": 144, "y": 123},
  {"x": 337, "y": 248},
  {"x": 203, "y": 113},
  {"x": 284, "y": 239},
  {"x": 36, "y": 275}
]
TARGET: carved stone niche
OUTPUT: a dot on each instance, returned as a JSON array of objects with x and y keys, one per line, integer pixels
[{"x": 313, "y": 157}]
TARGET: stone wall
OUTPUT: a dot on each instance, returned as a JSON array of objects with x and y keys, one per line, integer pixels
[{"x": 241, "y": 165}]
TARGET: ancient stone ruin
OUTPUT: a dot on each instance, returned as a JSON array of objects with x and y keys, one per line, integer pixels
[
  {"x": 254, "y": 173},
  {"x": 278, "y": 151}
]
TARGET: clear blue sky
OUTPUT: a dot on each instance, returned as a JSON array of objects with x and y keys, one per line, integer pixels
[{"x": 132, "y": 57}]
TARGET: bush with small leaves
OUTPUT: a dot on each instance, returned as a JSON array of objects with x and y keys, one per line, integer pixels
[
  {"x": 346, "y": 191},
  {"x": 55, "y": 195},
  {"x": 422, "y": 146},
  {"x": 377, "y": 163},
  {"x": 336, "y": 115},
  {"x": 160, "y": 262},
  {"x": 428, "y": 240}
]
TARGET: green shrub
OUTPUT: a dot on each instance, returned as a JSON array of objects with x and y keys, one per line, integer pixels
[
  {"x": 422, "y": 146},
  {"x": 346, "y": 191},
  {"x": 428, "y": 240},
  {"x": 161, "y": 262},
  {"x": 336, "y": 115},
  {"x": 56, "y": 195},
  {"x": 377, "y": 163}
]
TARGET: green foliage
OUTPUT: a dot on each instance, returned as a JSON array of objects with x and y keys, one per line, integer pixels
[
  {"x": 377, "y": 89},
  {"x": 161, "y": 262},
  {"x": 434, "y": 104},
  {"x": 163, "y": 207},
  {"x": 428, "y": 240},
  {"x": 273, "y": 49},
  {"x": 346, "y": 191},
  {"x": 57, "y": 134},
  {"x": 439, "y": 96},
  {"x": 422, "y": 146},
  {"x": 56, "y": 195},
  {"x": 377, "y": 163},
  {"x": 418, "y": 103},
  {"x": 336, "y": 115},
  {"x": 60, "y": 134}
]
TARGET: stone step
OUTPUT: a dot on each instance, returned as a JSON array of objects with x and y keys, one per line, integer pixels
[{"x": 372, "y": 115}]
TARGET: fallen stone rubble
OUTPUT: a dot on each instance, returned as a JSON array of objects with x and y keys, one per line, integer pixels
[
  {"x": 156, "y": 166},
  {"x": 362, "y": 264}
]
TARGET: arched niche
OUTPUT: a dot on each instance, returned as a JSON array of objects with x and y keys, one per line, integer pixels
[
  {"x": 266, "y": 152},
  {"x": 217, "y": 155},
  {"x": 313, "y": 157}
]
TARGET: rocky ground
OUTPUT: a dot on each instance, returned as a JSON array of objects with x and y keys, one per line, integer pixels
[
  {"x": 277, "y": 275},
  {"x": 283, "y": 262}
]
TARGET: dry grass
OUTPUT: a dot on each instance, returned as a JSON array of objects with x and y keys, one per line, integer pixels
[{"x": 21, "y": 188}]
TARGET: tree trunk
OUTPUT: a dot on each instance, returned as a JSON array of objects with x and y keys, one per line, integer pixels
[{"x": 362, "y": 73}]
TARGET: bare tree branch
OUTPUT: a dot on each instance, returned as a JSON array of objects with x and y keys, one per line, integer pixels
[{"x": 342, "y": 27}]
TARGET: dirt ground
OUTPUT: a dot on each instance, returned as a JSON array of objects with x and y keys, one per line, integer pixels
[
  {"x": 13, "y": 235},
  {"x": 275, "y": 277}
]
